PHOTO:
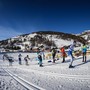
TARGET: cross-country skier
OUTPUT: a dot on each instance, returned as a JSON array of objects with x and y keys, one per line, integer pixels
[
  {"x": 53, "y": 54},
  {"x": 19, "y": 58},
  {"x": 84, "y": 51},
  {"x": 71, "y": 49},
  {"x": 63, "y": 53},
  {"x": 40, "y": 58},
  {"x": 26, "y": 59}
]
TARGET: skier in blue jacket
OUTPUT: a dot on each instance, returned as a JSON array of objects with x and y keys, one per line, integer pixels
[{"x": 40, "y": 58}]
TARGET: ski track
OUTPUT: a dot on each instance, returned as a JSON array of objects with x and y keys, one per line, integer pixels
[
  {"x": 60, "y": 82},
  {"x": 55, "y": 76}
]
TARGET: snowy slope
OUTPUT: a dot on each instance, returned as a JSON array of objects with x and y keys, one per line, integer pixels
[
  {"x": 53, "y": 76},
  {"x": 60, "y": 42},
  {"x": 36, "y": 39},
  {"x": 85, "y": 34}
]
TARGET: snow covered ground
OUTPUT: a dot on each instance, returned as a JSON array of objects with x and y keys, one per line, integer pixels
[{"x": 52, "y": 76}]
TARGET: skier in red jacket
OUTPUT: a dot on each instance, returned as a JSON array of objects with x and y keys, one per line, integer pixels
[{"x": 63, "y": 53}]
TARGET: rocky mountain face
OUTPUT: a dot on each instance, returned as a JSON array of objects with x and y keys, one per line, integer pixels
[
  {"x": 86, "y": 35},
  {"x": 41, "y": 38}
]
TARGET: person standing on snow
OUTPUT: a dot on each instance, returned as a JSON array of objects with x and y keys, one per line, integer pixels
[
  {"x": 63, "y": 53},
  {"x": 53, "y": 54},
  {"x": 10, "y": 59},
  {"x": 40, "y": 59},
  {"x": 71, "y": 49},
  {"x": 26, "y": 59},
  {"x": 84, "y": 51},
  {"x": 43, "y": 54},
  {"x": 19, "y": 58},
  {"x": 5, "y": 57}
]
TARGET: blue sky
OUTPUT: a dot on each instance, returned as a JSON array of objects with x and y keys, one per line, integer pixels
[{"x": 26, "y": 16}]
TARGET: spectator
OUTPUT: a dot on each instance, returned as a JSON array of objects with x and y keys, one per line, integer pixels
[{"x": 84, "y": 51}]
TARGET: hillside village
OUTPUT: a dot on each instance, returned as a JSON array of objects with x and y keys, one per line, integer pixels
[{"x": 42, "y": 39}]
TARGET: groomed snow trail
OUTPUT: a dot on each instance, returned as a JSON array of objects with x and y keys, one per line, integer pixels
[{"x": 55, "y": 76}]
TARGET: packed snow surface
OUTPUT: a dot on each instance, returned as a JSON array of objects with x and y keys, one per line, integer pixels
[{"x": 52, "y": 76}]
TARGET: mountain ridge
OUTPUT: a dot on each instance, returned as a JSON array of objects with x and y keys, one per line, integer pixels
[{"x": 45, "y": 38}]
